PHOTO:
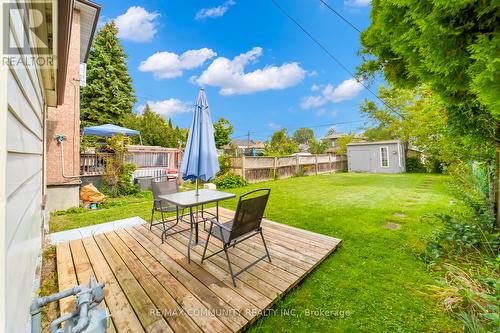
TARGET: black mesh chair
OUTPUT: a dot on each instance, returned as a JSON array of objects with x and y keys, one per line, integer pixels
[
  {"x": 163, "y": 187},
  {"x": 245, "y": 224}
]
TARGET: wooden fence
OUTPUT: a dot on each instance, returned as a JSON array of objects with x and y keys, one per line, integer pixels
[{"x": 258, "y": 169}]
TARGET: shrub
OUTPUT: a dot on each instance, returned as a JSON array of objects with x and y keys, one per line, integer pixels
[
  {"x": 230, "y": 180},
  {"x": 465, "y": 248},
  {"x": 224, "y": 164},
  {"x": 117, "y": 179},
  {"x": 413, "y": 164}
]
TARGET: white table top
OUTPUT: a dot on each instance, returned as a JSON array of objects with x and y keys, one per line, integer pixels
[{"x": 189, "y": 198}]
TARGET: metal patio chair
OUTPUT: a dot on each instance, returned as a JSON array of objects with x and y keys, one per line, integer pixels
[
  {"x": 245, "y": 224},
  {"x": 163, "y": 187}
]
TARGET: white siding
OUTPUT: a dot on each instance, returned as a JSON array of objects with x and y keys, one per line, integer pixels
[{"x": 23, "y": 185}]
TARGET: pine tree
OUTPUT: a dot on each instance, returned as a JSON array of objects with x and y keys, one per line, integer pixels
[{"x": 109, "y": 95}]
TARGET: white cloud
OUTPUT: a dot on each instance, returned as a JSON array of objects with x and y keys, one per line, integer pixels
[
  {"x": 345, "y": 91},
  {"x": 167, "y": 107},
  {"x": 357, "y": 3},
  {"x": 166, "y": 65},
  {"x": 315, "y": 87},
  {"x": 214, "y": 12},
  {"x": 137, "y": 24},
  {"x": 230, "y": 76}
]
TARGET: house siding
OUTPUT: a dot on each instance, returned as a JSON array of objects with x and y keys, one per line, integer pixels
[{"x": 23, "y": 108}]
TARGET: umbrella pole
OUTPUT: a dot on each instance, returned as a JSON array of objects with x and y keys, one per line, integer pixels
[{"x": 197, "y": 186}]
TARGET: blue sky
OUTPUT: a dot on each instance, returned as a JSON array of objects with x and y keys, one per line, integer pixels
[{"x": 259, "y": 70}]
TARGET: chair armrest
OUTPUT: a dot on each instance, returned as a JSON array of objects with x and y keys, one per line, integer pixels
[{"x": 217, "y": 223}]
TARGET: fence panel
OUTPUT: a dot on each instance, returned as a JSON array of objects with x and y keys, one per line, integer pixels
[{"x": 257, "y": 169}]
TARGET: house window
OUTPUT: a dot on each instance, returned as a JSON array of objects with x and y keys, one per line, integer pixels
[{"x": 384, "y": 157}]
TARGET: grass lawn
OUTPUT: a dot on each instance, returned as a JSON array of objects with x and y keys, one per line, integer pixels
[{"x": 374, "y": 282}]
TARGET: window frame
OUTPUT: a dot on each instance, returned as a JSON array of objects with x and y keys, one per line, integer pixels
[{"x": 381, "y": 158}]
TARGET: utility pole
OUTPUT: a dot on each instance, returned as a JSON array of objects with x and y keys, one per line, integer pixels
[{"x": 248, "y": 140}]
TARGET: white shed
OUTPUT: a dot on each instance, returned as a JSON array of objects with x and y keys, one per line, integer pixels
[{"x": 377, "y": 156}]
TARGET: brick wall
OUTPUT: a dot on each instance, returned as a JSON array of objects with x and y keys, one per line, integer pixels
[{"x": 65, "y": 119}]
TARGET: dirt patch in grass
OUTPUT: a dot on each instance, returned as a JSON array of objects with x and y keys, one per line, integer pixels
[
  {"x": 399, "y": 215},
  {"x": 392, "y": 225},
  {"x": 49, "y": 285}
]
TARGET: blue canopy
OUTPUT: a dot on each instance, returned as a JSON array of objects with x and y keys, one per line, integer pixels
[
  {"x": 200, "y": 156},
  {"x": 109, "y": 130}
]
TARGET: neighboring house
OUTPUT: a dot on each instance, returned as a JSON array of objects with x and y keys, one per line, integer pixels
[
  {"x": 27, "y": 92},
  {"x": 333, "y": 141},
  {"x": 378, "y": 157},
  {"x": 304, "y": 148},
  {"x": 255, "y": 148}
]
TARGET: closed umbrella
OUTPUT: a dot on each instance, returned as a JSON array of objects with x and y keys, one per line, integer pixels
[{"x": 200, "y": 156}]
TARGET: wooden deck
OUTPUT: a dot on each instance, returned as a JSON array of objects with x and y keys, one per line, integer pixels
[{"x": 150, "y": 287}]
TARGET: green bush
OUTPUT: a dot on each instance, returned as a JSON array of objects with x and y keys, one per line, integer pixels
[
  {"x": 224, "y": 164},
  {"x": 465, "y": 249},
  {"x": 230, "y": 180},
  {"x": 117, "y": 179},
  {"x": 413, "y": 164}
]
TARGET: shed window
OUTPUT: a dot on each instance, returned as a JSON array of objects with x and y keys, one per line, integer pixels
[{"x": 384, "y": 157}]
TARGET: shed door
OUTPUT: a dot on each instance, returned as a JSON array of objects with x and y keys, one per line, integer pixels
[{"x": 359, "y": 160}]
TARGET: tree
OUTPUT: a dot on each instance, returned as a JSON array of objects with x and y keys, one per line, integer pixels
[
  {"x": 222, "y": 132},
  {"x": 343, "y": 141},
  {"x": 303, "y": 135},
  {"x": 378, "y": 133},
  {"x": 109, "y": 95},
  {"x": 281, "y": 144},
  {"x": 417, "y": 117},
  {"x": 393, "y": 119},
  {"x": 452, "y": 46},
  {"x": 318, "y": 146},
  {"x": 155, "y": 131}
]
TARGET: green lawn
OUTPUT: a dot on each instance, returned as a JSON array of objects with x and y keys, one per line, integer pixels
[{"x": 374, "y": 282}]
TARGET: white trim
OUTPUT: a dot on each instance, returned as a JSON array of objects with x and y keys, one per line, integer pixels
[
  {"x": 3, "y": 186},
  {"x": 388, "y": 164},
  {"x": 83, "y": 232},
  {"x": 399, "y": 155}
]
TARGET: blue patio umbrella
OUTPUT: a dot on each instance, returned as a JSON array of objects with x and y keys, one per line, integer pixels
[{"x": 200, "y": 156}]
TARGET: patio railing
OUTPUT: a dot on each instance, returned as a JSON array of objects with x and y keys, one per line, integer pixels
[
  {"x": 262, "y": 168},
  {"x": 93, "y": 164},
  {"x": 144, "y": 157}
]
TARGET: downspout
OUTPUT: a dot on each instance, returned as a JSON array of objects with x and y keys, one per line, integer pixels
[{"x": 399, "y": 154}]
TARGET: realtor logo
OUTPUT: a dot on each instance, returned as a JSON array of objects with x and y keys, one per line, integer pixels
[{"x": 27, "y": 33}]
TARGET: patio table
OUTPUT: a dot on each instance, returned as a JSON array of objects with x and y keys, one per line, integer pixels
[{"x": 189, "y": 200}]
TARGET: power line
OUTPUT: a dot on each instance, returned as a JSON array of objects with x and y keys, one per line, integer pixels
[
  {"x": 339, "y": 15},
  {"x": 292, "y": 128},
  {"x": 332, "y": 56}
]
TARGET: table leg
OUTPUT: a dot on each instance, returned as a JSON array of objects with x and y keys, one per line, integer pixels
[
  {"x": 196, "y": 232},
  {"x": 190, "y": 233},
  {"x": 217, "y": 211}
]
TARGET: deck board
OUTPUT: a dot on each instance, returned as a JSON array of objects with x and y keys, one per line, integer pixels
[{"x": 151, "y": 287}]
